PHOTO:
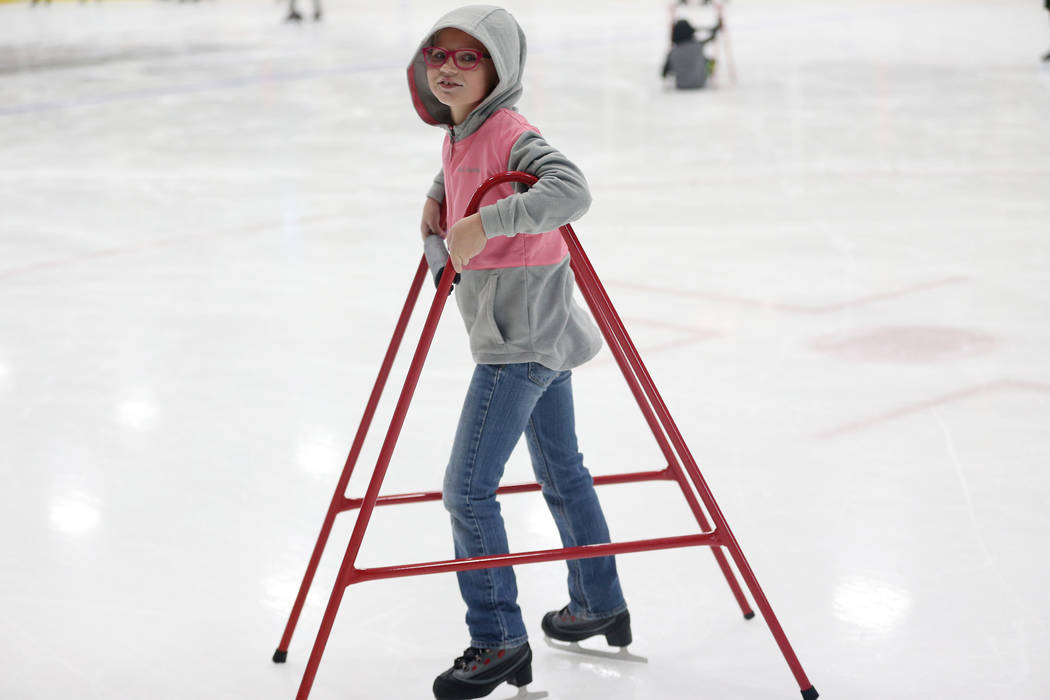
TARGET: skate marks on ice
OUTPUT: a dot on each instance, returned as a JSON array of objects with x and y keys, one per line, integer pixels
[{"x": 575, "y": 648}]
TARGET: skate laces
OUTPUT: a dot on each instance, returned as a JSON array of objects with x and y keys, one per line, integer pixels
[{"x": 470, "y": 655}]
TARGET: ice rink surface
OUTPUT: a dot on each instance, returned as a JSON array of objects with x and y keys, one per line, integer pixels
[{"x": 836, "y": 269}]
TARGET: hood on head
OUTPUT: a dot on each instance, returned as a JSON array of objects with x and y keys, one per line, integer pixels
[
  {"x": 499, "y": 32},
  {"x": 682, "y": 31}
]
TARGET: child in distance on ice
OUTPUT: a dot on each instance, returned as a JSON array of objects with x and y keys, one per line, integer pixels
[
  {"x": 687, "y": 60},
  {"x": 526, "y": 335},
  {"x": 1046, "y": 4}
]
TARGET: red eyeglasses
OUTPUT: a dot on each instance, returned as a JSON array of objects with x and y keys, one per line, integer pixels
[{"x": 464, "y": 59}]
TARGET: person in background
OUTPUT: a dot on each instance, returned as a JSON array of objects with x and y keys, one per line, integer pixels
[
  {"x": 294, "y": 16},
  {"x": 1047, "y": 5},
  {"x": 687, "y": 60}
]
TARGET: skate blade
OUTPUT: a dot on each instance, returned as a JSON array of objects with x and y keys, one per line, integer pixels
[
  {"x": 575, "y": 648},
  {"x": 525, "y": 694}
]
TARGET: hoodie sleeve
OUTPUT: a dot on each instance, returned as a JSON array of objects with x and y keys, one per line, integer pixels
[
  {"x": 437, "y": 188},
  {"x": 560, "y": 196}
]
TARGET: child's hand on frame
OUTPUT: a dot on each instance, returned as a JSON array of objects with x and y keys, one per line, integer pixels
[
  {"x": 431, "y": 221},
  {"x": 465, "y": 240}
]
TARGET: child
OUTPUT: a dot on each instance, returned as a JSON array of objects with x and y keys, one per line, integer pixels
[
  {"x": 1046, "y": 4},
  {"x": 526, "y": 334},
  {"x": 293, "y": 12},
  {"x": 686, "y": 59}
]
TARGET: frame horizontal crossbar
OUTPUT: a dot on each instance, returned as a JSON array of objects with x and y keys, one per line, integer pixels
[
  {"x": 422, "y": 496},
  {"x": 710, "y": 539}
]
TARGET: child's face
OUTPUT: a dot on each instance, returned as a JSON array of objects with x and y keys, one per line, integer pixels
[{"x": 461, "y": 90}]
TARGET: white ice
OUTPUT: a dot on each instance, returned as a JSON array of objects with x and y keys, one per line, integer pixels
[{"x": 836, "y": 269}]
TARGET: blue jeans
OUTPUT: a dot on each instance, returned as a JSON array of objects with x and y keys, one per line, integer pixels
[{"x": 504, "y": 401}]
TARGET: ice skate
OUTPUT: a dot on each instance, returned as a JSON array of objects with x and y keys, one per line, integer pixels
[
  {"x": 567, "y": 627},
  {"x": 480, "y": 671},
  {"x": 564, "y": 627}
]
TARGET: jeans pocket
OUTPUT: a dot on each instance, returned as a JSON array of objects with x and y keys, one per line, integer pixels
[{"x": 540, "y": 375}]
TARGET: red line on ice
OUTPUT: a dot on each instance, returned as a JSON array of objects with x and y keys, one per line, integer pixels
[
  {"x": 797, "y": 308},
  {"x": 926, "y": 404}
]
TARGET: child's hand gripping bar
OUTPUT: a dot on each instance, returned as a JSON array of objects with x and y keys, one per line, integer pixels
[{"x": 434, "y": 246}]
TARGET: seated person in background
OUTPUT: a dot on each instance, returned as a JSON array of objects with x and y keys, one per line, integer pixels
[
  {"x": 1047, "y": 5},
  {"x": 687, "y": 60},
  {"x": 293, "y": 12}
]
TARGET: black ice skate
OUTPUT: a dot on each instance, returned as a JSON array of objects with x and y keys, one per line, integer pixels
[
  {"x": 566, "y": 627},
  {"x": 562, "y": 626},
  {"x": 479, "y": 671}
]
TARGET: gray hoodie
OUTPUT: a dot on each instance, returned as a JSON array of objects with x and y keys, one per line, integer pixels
[{"x": 516, "y": 297}]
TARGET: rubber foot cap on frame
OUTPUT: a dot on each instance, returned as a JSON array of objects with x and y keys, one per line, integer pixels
[
  {"x": 279, "y": 657},
  {"x": 810, "y": 693},
  {"x": 749, "y": 615}
]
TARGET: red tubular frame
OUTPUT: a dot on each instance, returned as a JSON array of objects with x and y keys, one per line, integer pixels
[{"x": 681, "y": 468}]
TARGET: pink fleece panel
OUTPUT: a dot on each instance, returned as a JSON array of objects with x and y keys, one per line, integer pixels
[{"x": 470, "y": 162}]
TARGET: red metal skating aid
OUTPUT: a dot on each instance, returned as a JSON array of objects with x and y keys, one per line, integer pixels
[{"x": 681, "y": 468}]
